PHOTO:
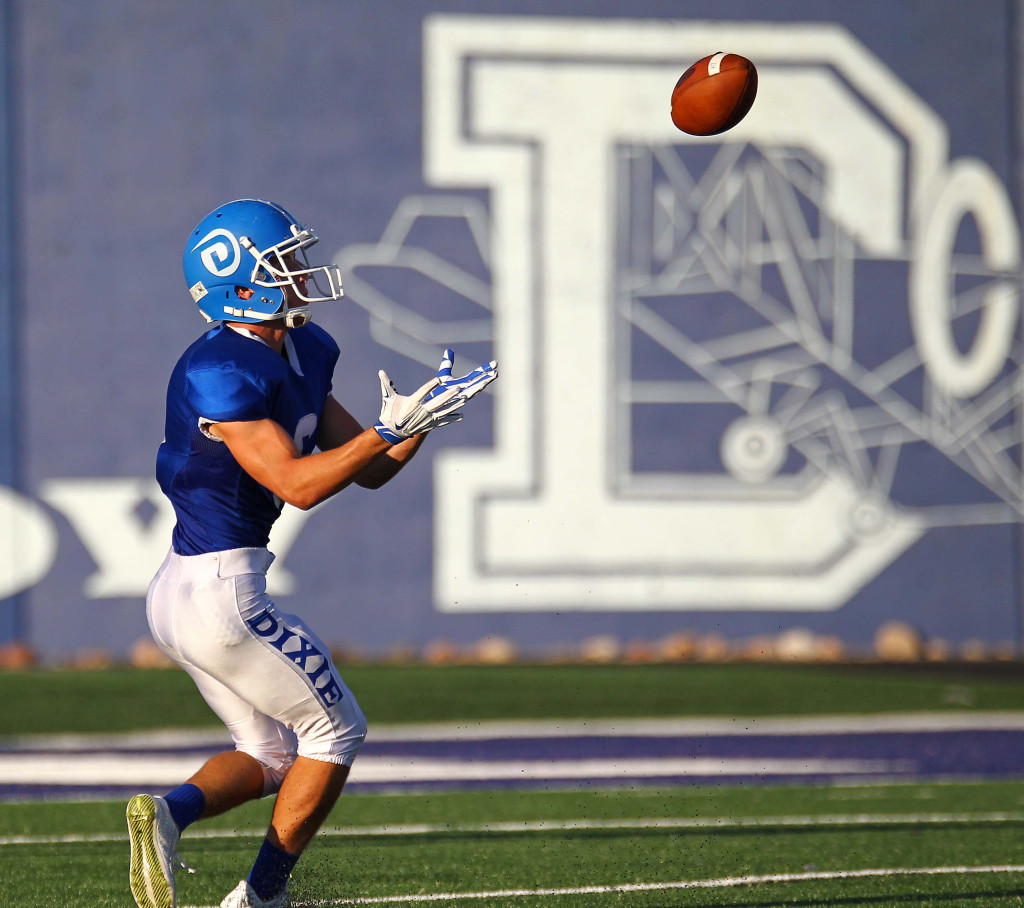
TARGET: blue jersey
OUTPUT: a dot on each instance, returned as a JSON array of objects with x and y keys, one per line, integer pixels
[{"x": 226, "y": 377}]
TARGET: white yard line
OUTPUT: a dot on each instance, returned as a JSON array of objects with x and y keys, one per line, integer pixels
[
  {"x": 99, "y": 768},
  {"x": 528, "y": 826},
  {"x": 725, "y": 726},
  {"x": 720, "y": 883},
  {"x": 563, "y": 728}
]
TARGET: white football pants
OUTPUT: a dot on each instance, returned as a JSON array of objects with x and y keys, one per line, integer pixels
[{"x": 263, "y": 672}]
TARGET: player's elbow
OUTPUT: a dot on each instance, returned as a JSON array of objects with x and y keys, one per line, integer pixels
[
  {"x": 306, "y": 497},
  {"x": 301, "y": 497}
]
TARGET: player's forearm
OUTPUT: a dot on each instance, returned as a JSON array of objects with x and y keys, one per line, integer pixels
[
  {"x": 388, "y": 464},
  {"x": 306, "y": 481}
]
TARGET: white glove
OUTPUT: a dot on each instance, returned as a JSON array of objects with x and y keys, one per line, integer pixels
[
  {"x": 470, "y": 384},
  {"x": 433, "y": 405}
]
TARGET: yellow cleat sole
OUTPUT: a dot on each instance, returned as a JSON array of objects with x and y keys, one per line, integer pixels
[{"x": 150, "y": 886}]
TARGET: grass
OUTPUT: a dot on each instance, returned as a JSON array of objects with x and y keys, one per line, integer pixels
[
  {"x": 369, "y": 851},
  {"x": 379, "y": 846},
  {"x": 38, "y": 702}
]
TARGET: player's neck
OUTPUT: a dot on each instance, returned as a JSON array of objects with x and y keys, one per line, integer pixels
[{"x": 271, "y": 333}]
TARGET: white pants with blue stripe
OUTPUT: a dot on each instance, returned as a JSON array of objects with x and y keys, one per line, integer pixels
[{"x": 265, "y": 673}]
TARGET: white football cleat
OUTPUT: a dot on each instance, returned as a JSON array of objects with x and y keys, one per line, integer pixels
[
  {"x": 244, "y": 896},
  {"x": 154, "y": 837}
]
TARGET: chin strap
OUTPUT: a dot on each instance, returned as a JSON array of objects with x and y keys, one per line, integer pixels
[
  {"x": 293, "y": 318},
  {"x": 297, "y": 317}
]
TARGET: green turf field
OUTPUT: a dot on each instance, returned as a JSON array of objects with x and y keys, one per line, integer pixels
[
  {"x": 654, "y": 841},
  {"x": 124, "y": 700},
  {"x": 874, "y": 845}
]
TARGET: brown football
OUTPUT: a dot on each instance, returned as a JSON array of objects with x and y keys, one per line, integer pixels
[{"x": 714, "y": 94}]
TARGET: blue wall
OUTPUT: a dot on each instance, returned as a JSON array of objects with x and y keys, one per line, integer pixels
[
  {"x": 765, "y": 381},
  {"x": 9, "y": 612}
]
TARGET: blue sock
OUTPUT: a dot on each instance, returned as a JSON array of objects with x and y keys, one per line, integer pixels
[
  {"x": 271, "y": 870},
  {"x": 187, "y": 803}
]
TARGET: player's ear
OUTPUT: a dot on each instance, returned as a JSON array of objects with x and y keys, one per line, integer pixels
[{"x": 244, "y": 293}]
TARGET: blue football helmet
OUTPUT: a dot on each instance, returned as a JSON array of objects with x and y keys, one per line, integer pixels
[{"x": 241, "y": 257}]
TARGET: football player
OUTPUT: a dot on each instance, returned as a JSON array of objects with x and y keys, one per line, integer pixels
[{"x": 247, "y": 404}]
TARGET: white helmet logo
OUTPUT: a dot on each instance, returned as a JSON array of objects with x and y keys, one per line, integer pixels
[{"x": 217, "y": 257}]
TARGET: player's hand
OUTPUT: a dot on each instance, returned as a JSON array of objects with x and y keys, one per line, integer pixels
[
  {"x": 470, "y": 384},
  {"x": 403, "y": 417},
  {"x": 433, "y": 405}
]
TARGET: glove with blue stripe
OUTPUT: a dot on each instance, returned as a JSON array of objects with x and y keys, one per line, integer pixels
[
  {"x": 470, "y": 384},
  {"x": 433, "y": 405}
]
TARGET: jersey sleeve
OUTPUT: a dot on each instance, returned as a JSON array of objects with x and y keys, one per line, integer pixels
[{"x": 226, "y": 395}]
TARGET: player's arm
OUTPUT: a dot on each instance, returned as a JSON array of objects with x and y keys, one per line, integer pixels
[
  {"x": 338, "y": 427},
  {"x": 405, "y": 420},
  {"x": 264, "y": 450}
]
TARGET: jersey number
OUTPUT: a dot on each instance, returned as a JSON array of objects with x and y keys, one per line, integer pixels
[{"x": 305, "y": 429}]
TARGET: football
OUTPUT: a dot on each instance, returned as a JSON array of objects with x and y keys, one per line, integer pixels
[{"x": 714, "y": 94}]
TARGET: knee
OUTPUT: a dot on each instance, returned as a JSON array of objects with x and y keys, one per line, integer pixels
[
  {"x": 275, "y": 762},
  {"x": 334, "y": 744},
  {"x": 355, "y": 738}
]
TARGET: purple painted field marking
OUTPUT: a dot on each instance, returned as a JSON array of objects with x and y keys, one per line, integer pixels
[{"x": 567, "y": 754}]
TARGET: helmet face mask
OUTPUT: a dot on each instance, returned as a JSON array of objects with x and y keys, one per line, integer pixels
[{"x": 257, "y": 246}]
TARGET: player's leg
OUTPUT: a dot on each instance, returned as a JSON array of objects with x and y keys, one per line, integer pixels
[
  {"x": 307, "y": 796},
  {"x": 155, "y": 823},
  {"x": 308, "y": 696},
  {"x": 272, "y": 681},
  {"x": 266, "y": 751},
  {"x": 227, "y": 780},
  {"x": 308, "y": 793},
  {"x": 192, "y": 627},
  {"x": 263, "y": 752}
]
